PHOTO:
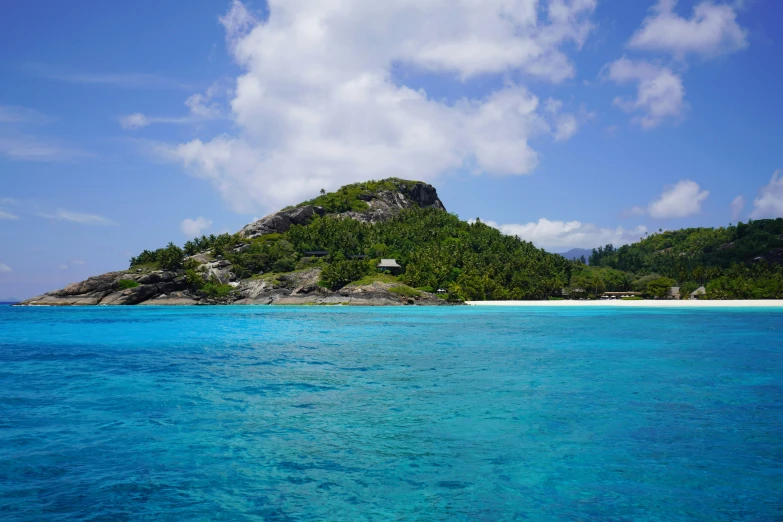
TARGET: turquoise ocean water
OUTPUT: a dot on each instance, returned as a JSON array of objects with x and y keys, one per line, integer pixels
[{"x": 265, "y": 413}]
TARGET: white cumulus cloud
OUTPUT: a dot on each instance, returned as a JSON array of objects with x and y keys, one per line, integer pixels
[
  {"x": 769, "y": 203},
  {"x": 194, "y": 227},
  {"x": 660, "y": 92},
  {"x": 318, "y": 104},
  {"x": 737, "y": 205},
  {"x": 5, "y": 269},
  {"x": 680, "y": 200},
  {"x": 555, "y": 236},
  {"x": 712, "y": 30}
]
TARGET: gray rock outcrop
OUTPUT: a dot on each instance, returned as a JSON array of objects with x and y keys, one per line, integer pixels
[
  {"x": 158, "y": 288},
  {"x": 280, "y": 222},
  {"x": 383, "y": 205},
  {"x": 104, "y": 289}
]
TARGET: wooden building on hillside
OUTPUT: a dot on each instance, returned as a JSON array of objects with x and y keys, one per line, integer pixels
[{"x": 390, "y": 266}]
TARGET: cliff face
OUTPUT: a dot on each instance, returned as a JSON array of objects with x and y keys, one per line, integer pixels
[
  {"x": 280, "y": 222},
  {"x": 378, "y": 201},
  {"x": 382, "y": 204},
  {"x": 385, "y": 204}
]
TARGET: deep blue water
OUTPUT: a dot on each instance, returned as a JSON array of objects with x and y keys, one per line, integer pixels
[{"x": 266, "y": 413}]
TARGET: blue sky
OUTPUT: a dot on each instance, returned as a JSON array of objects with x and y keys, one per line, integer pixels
[{"x": 572, "y": 123}]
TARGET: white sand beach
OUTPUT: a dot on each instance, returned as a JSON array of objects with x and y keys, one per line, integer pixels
[{"x": 769, "y": 303}]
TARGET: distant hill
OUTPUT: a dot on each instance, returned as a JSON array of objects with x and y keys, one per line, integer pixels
[
  {"x": 576, "y": 253},
  {"x": 677, "y": 251},
  {"x": 735, "y": 262}
]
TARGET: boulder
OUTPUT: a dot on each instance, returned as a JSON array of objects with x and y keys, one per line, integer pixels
[
  {"x": 103, "y": 283},
  {"x": 280, "y": 222},
  {"x": 220, "y": 270},
  {"x": 131, "y": 296}
]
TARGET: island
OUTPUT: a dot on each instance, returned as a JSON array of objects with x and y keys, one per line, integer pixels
[{"x": 392, "y": 242}]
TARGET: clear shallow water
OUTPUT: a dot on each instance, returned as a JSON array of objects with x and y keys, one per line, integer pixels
[{"x": 266, "y": 413}]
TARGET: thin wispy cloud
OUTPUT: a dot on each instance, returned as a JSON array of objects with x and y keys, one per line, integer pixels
[
  {"x": 5, "y": 269},
  {"x": 72, "y": 263},
  {"x": 78, "y": 217},
  {"x": 125, "y": 80},
  {"x": 138, "y": 120},
  {"x": 18, "y": 144},
  {"x": 22, "y": 147},
  {"x": 20, "y": 115},
  {"x": 201, "y": 107},
  {"x": 7, "y": 215}
]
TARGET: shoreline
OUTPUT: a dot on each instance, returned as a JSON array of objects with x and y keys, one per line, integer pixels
[{"x": 696, "y": 303}]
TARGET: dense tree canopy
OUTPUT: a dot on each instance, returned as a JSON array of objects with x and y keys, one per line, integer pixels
[
  {"x": 437, "y": 250},
  {"x": 735, "y": 262},
  {"x": 474, "y": 261}
]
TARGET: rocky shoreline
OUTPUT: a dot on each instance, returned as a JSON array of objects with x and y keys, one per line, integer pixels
[{"x": 170, "y": 288}]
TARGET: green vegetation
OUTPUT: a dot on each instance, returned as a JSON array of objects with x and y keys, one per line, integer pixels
[
  {"x": 379, "y": 277},
  {"x": 339, "y": 273},
  {"x": 124, "y": 284},
  {"x": 659, "y": 287},
  {"x": 194, "y": 279},
  {"x": 217, "y": 245},
  {"x": 354, "y": 197},
  {"x": 214, "y": 289},
  {"x": 405, "y": 291},
  {"x": 735, "y": 262},
  {"x": 437, "y": 250},
  {"x": 169, "y": 258},
  {"x": 694, "y": 253},
  {"x": 587, "y": 281},
  {"x": 146, "y": 267},
  {"x": 473, "y": 261},
  {"x": 741, "y": 282}
]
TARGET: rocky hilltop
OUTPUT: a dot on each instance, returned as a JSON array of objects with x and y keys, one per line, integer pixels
[
  {"x": 150, "y": 284},
  {"x": 381, "y": 203}
]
